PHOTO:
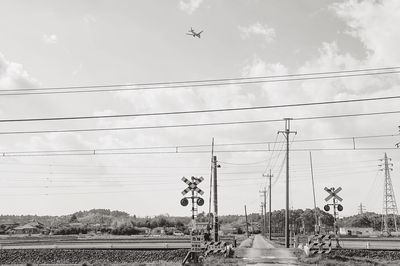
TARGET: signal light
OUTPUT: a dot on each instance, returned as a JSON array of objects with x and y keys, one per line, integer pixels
[
  {"x": 326, "y": 208},
  {"x": 184, "y": 202},
  {"x": 200, "y": 202}
]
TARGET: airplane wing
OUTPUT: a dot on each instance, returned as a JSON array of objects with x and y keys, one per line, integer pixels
[
  {"x": 199, "y": 32},
  {"x": 189, "y": 34}
]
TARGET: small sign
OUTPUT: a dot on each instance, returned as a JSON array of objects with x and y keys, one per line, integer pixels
[
  {"x": 192, "y": 186},
  {"x": 195, "y": 242},
  {"x": 333, "y": 193}
]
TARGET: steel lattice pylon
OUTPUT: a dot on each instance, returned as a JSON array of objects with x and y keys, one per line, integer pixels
[{"x": 389, "y": 200}]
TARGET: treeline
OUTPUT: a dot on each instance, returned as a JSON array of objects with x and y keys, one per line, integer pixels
[
  {"x": 120, "y": 223},
  {"x": 367, "y": 219}
]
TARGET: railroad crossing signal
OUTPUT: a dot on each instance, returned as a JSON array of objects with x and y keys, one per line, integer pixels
[
  {"x": 196, "y": 239},
  {"x": 192, "y": 186},
  {"x": 333, "y": 193}
]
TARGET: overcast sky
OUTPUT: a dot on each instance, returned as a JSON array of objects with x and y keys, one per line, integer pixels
[{"x": 79, "y": 43}]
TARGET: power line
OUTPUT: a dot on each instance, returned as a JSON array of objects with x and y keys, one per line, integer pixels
[
  {"x": 199, "y": 83},
  {"x": 190, "y": 152},
  {"x": 195, "y": 125},
  {"x": 198, "y": 111},
  {"x": 47, "y": 165},
  {"x": 207, "y": 80},
  {"x": 252, "y": 163},
  {"x": 178, "y": 147}
]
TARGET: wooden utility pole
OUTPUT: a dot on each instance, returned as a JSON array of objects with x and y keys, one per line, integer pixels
[
  {"x": 210, "y": 221},
  {"x": 262, "y": 224},
  {"x": 264, "y": 205},
  {"x": 286, "y": 133},
  {"x": 215, "y": 179},
  {"x": 316, "y": 227},
  {"x": 270, "y": 204},
  {"x": 247, "y": 224}
]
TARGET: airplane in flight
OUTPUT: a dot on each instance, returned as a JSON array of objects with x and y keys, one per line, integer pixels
[{"x": 193, "y": 33}]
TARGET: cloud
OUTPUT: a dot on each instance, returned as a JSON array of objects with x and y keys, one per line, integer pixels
[
  {"x": 258, "y": 29},
  {"x": 375, "y": 24},
  {"x": 89, "y": 19},
  {"x": 50, "y": 39},
  {"x": 13, "y": 75},
  {"x": 365, "y": 21},
  {"x": 189, "y": 6}
]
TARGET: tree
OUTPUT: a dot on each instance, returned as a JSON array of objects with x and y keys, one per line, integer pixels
[{"x": 73, "y": 219}]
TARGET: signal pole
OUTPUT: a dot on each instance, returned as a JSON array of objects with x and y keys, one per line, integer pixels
[
  {"x": 264, "y": 192},
  {"x": 216, "y": 223},
  {"x": 286, "y": 133}
]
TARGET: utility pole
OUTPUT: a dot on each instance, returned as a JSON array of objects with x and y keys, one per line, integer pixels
[
  {"x": 270, "y": 204},
  {"x": 210, "y": 219},
  {"x": 316, "y": 227},
  {"x": 398, "y": 144},
  {"x": 286, "y": 133},
  {"x": 262, "y": 224},
  {"x": 247, "y": 224},
  {"x": 216, "y": 223},
  {"x": 264, "y": 193},
  {"x": 361, "y": 208}
]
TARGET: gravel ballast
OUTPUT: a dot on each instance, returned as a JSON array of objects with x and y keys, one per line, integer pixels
[
  {"x": 366, "y": 253},
  {"x": 77, "y": 256}
]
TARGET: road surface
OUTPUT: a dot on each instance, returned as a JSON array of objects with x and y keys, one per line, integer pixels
[{"x": 263, "y": 252}]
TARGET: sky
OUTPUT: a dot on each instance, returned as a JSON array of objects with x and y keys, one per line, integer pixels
[{"x": 52, "y": 44}]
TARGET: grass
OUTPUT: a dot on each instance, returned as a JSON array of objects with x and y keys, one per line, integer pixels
[{"x": 323, "y": 260}]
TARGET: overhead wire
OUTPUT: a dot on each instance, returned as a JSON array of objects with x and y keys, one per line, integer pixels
[
  {"x": 37, "y": 119},
  {"x": 199, "y": 83},
  {"x": 195, "y": 124},
  {"x": 177, "y": 148},
  {"x": 192, "y": 152}
]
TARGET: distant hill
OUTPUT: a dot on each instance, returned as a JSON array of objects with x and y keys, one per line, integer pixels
[
  {"x": 94, "y": 216},
  {"x": 367, "y": 219}
]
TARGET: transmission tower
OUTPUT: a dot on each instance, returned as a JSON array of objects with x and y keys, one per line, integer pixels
[
  {"x": 361, "y": 208},
  {"x": 389, "y": 200}
]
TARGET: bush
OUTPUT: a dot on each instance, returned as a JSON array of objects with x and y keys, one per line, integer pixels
[{"x": 125, "y": 230}]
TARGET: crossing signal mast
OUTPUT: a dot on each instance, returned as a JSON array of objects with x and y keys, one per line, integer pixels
[{"x": 389, "y": 200}]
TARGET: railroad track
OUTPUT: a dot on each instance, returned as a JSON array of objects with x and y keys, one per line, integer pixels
[{"x": 144, "y": 244}]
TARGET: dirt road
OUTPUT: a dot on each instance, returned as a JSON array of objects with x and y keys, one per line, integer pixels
[{"x": 264, "y": 253}]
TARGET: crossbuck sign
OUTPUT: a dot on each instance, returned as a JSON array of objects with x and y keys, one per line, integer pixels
[
  {"x": 333, "y": 193},
  {"x": 192, "y": 186}
]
